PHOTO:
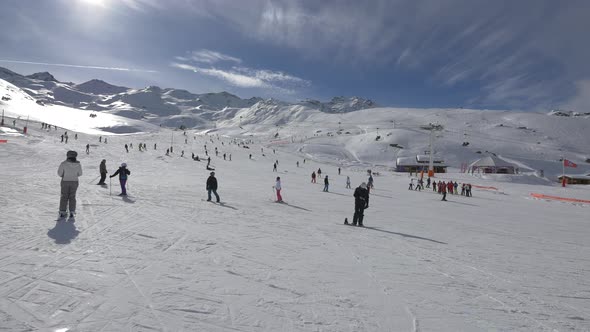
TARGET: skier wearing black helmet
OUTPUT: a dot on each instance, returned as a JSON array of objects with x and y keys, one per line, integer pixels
[
  {"x": 212, "y": 187},
  {"x": 361, "y": 202}
]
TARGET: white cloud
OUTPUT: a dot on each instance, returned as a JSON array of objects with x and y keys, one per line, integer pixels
[
  {"x": 79, "y": 66},
  {"x": 211, "y": 57},
  {"x": 142, "y": 5},
  {"x": 239, "y": 76},
  {"x": 231, "y": 77},
  {"x": 273, "y": 76},
  {"x": 580, "y": 102},
  {"x": 456, "y": 41}
]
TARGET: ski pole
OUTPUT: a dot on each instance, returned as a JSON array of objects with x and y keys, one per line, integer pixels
[
  {"x": 110, "y": 186},
  {"x": 93, "y": 180}
]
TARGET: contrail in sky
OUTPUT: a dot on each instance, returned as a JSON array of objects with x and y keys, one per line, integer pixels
[{"x": 79, "y": 66}]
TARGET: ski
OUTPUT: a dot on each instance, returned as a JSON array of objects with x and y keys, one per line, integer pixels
[
  {"x": 279, "y": 202},
  {"x": 212, "y": 201},
  {"x": 346, "y": 223}
]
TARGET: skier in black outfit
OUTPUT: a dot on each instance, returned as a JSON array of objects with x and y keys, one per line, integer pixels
[
  {"x": 212, "y": 187},
  {"x": 103, "y": 172},
  {"x": 361, "y": 202}
]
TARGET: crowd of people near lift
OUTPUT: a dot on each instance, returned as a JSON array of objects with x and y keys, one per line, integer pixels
[{"x": 442, "y": 187}]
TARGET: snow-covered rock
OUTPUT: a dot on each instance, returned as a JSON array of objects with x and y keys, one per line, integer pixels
[
  {"x": 42, "y": 76},
  {"x": 99, "y": 87}
]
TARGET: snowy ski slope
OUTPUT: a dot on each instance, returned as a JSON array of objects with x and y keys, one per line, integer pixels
[{"x": 164, "y": 259}]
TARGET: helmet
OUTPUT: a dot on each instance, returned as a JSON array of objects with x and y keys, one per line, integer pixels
[
  {"x": 124, "y": 165},
  {"x": 212, "y": 173},
  {"x": 364, "y": 185},
  {"x": 71, "y": 154},
  {"x": 104, "y": 160}
]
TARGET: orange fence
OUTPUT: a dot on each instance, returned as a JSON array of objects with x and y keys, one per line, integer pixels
[
  {"x": 484, "y": 187},
  {"x": 557, "y": 198}
]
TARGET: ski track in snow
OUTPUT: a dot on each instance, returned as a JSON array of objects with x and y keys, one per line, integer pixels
[{"x": 162, "y": 259}]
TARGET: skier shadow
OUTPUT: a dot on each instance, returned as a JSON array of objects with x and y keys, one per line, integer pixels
[
  {"x": 227, "y": 206},
  {"x": 462, "y": 203},
  {"x": 405, "y": 235},
  {"x": 373, "y": 194},
  {"x": 296, "y": 207},
  {"x": 63, "y": 232},
  {"x": 333, "y": 193},
  {"x": 127, "y": 199}
]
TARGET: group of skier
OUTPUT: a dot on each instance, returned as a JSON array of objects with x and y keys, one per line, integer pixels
[
  {"x": 451, "y": 187},
  {"x": 70, "y": 170}
]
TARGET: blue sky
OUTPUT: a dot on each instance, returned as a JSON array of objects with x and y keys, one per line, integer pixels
[{"x": 524, "y": 55}]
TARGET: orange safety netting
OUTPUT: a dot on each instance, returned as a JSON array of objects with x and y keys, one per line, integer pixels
[
  {"x": 484, "y": 187},
  {"x": 557, "y": 198}
]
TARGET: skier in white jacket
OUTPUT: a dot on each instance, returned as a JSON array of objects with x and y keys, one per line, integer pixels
[
  {"x": 278, "y": 189},
  {"x": 69, "y": 171}
]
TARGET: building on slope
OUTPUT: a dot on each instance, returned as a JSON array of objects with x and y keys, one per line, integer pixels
[
  {"x": 493, "y": 165},
  {"x": 575, "y": 178},
  {"x": 419, "y": 163}
]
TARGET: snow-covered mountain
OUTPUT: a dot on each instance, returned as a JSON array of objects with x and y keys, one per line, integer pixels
[
  {"x": 343, "y": 130},
  {"x": 168, "y": 107},
  {"x": 568, "y": 113}
]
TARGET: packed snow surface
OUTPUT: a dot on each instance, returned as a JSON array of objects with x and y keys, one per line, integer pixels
[{"x": 165, "y": 259}]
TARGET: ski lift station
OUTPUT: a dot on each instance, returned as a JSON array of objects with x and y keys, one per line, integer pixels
[
  {"x": 419, "y": 163},
  {"x": 491, "y": 164}
]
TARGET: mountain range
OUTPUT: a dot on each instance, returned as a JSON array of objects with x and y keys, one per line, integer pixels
[
  {"x": 352, "y": 132},
  {"x": 165, "y": 106}
]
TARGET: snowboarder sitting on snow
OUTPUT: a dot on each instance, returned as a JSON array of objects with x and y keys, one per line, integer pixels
[
  {"x": 69, "y": 171},
  {"x": 278, "y": 189},
  {"x": 361, "y": 202},
  {"x": 212, "y": 187},
  {"x": 123, "y": 174},
  {"x": 103, "y": 172}
]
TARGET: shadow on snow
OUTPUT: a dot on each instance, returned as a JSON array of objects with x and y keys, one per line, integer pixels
[
  {"x": 63, "y": 232},
  {"x": 404, "y": 235}
]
